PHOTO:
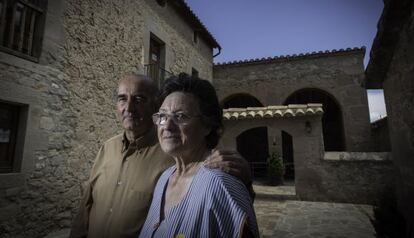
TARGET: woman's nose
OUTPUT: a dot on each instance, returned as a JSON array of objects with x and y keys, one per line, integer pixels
[{"x": 169, "y": 123}]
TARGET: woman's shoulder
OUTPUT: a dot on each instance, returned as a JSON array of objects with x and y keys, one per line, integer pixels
[
  {"x": 221, "y": 180},
  {"x": 229, "y": 198}
]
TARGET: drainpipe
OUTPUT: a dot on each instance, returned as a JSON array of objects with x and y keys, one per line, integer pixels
[{"x": 217, "y": 52}]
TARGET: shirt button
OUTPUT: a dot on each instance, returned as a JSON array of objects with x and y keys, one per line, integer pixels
[
  {"x": 110, "y": 210},
  {"x": 119, "y": 183}
]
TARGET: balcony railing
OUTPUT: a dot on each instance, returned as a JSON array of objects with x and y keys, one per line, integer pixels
[{"x": 156, "y": 73}]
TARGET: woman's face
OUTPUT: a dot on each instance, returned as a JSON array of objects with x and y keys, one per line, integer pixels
[{"x": 184, "y": 134}]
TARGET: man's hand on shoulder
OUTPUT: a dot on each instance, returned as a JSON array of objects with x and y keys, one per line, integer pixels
[{"x": 231, "y": 162}]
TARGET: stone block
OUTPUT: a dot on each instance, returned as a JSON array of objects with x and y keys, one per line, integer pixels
[
  {"x": 12, "y": 192},
  {"x": 9, "y": 211},
  {"x": 47, "y": 123},
  {"x": 11, "y": 180}
]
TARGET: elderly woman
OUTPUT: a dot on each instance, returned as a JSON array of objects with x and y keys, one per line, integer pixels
[{"x": 189, "y": 199}]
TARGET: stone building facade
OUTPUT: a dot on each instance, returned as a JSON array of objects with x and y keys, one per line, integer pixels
[
  {"x": 353, "y": 177},
  {"x": 56, "y": 93},
  {"x": 58, "y": 102},
  {"x": 391, "y": 68},
  {"x": 333, "y": 78}
]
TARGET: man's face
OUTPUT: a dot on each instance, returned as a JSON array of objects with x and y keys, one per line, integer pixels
[{"x": 135, "y": 104}]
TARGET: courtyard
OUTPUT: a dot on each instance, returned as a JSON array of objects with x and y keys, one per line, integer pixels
[{"x": 280, "y": 215}]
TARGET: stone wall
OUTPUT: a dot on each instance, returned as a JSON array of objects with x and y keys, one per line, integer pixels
[
  {"x": 272, "y": 81},
  {"x": 67, "y": 101},
  {"x": 39, "y": 196},
  {"x": 399, "y": 99},
  {"x": 380, "y": 135},
  {"x": 391, "y": 67},
  {"x": 355, "y": 177}
]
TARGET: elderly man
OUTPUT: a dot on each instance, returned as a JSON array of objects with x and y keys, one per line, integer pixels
[{"x": 127, "y": 167}]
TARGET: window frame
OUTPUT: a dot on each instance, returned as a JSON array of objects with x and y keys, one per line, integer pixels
[
  {"x": 30, "y": 41},
  {"x": 17, "y": 137}
]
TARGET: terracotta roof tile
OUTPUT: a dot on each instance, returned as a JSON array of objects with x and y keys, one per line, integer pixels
[
  {"x": 291, "y": 110},
  {"x": 291, "y": 57}
]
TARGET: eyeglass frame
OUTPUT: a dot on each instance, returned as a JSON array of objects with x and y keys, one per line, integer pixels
[{"x": 156, "y": 118}]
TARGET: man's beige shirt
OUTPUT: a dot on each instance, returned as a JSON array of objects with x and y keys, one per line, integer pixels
[{"x": 119, "y": 192}]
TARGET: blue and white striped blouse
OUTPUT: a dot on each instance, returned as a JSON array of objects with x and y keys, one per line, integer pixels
[{"x": 216, "y": 205}]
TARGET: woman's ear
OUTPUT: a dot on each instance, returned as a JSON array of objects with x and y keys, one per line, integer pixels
[{"x": 206, "y": 130}]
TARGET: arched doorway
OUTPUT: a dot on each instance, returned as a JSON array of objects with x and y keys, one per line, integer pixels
[
  {"x": 332, "y": 123},
  {"x": 252, "y": 144}
]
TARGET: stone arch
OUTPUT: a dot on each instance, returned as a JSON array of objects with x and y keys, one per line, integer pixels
[
  {"x": 240, "y": 100},
  {"x": 332, "y": 121},
  {"x": 259, "y": 147},
  {"x": 307, "y": 144},
  {"x": 251, "y": 143}
]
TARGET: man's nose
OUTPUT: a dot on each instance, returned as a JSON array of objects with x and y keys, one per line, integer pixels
[{"x": 130, "y": 106}]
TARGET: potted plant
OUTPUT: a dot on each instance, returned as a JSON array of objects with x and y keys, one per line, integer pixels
[{"x": 275, "y": 169}]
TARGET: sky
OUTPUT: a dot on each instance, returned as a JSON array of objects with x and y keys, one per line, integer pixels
[{"x": 247, "y": 29}]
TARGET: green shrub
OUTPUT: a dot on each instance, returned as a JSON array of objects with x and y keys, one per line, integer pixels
[{"x": 276, "y": 169}]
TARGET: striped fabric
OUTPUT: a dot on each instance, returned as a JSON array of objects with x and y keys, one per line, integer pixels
[{"x": 216, "y": 205}]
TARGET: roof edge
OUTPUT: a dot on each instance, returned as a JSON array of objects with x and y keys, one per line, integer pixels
[
  {"x": 195, "y": 22},
  {"x": 280, "y": 58}
]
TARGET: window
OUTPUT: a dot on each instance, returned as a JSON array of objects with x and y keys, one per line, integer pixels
[
  {"x": 21, "y": 27},
  {"x": 194, "y": 73},
  {"x": 155, "y": 68},
  {"x": 9, "y": 121},
  {"x": 156, "y": 62}
]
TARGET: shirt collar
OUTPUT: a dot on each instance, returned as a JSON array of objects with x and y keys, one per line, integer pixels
[{"x": 149, "y": 138}]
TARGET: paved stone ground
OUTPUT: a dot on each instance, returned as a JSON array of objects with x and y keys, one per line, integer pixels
[{"x": 278, "y": 217}]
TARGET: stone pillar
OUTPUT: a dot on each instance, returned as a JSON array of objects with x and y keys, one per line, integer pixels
[{"x": 308, "y": 152}]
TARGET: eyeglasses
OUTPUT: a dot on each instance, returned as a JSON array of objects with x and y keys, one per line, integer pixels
[{"x": 179, "y": 118}]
